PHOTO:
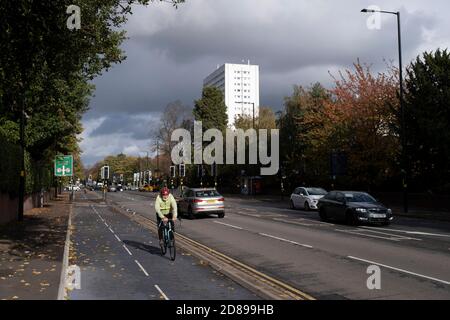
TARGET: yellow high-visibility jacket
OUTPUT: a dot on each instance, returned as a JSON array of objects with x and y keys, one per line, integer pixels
[{"x": 163, "y": 208}]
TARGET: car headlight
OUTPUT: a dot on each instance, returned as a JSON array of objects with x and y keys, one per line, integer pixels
[{"x": 361, "y": 210}]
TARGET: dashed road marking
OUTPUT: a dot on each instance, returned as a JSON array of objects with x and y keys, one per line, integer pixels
[
  {"x": 304, "y": 222},
  {"x": 118, "y": 239},
  {"x": 161, "y": 292},
  {"x": 229, "y": 225},
  {"x": 285, "y": 240},
  {"x": 249, "y": 214},
  {"x": 125, "y": 247},
  {"x": 400, "y": 270},
  {"x": 418, "y": 233},
  {"x": 142, "y": 268},
  {"x": 366, "y": 235},
  {"x": 389, "y": 234}
]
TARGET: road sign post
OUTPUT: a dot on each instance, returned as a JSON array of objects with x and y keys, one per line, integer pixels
[{"x": 64, "y": 168}]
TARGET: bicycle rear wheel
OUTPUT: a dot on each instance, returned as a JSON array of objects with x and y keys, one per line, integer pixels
[{"x": 172, "y": 247}]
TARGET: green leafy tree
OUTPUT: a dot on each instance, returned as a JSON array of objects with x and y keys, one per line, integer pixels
[
  {"x": 46, "y": 69},
  {"x": 427, "y": 115},
  {"x": 211, "y": 109},
  {"x": 299, "y": 157}
]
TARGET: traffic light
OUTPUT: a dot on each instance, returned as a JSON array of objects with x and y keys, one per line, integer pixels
[
  {"x": 173, "y": 171},
  {"x": 182, "y": 170},
  {"x": 105, "y": 173},
  {"x": 200, "y": 171},
  {"x": 214, "y": 169}
]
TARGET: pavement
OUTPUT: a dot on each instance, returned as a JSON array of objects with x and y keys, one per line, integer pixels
[{"x": 31, "y": 253}]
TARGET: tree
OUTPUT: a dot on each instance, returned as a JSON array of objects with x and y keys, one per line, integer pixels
[
  {"x": 120, "y": 164},
  {"x": 211, "y": 110},
  {"x": 46, "y": 69},
  {"x": 175, "y": 116},
  {"x": 265, "y": 120},
  {"x": 301, "y": 158},
  {"x": 427, "y": 115},
  {"x": 360, "y": 122}
]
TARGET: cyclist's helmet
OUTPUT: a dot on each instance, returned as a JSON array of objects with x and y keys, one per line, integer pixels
[{"x": 165, "y": 192}]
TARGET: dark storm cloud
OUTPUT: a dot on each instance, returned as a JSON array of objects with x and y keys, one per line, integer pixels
[
  {"x": 295, "y": 42},
  {"x": 138, "y": 127},
  {"x": 171, "y": 63}
]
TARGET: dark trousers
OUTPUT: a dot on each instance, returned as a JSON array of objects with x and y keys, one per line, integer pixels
[{"x": 161, "y": 225}]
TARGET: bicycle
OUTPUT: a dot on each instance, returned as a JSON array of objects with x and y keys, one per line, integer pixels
[{"x": 168, "y": 240}]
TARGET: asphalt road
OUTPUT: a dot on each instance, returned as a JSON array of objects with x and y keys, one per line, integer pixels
[
  {"x": 120, "y": 260},
  {"x": 328, "y": 261}
]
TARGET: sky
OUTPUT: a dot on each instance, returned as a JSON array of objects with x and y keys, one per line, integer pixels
[{"x": 295, "y": 42}]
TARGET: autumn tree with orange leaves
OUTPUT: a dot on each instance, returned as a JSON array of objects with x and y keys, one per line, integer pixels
[{"x": 360, "y": 121}]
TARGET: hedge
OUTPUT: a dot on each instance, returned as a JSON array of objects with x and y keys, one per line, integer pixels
[{"x": 38, "y": 175}]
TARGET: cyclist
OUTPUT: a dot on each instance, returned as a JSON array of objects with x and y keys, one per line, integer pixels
[{"x": 166, "y": 211}]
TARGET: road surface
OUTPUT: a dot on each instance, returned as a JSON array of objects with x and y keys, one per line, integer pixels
[{"x": 325, "y": 260}]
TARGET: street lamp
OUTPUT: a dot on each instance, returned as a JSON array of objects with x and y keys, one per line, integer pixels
[
  {"x": 253, "y": 115},
  {"x": 402, "y": 111}
]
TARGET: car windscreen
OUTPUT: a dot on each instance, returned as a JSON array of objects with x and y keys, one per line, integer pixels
[
  {"x": 207, "y": 194},
  {"x": 359, "y": 197},
  {"x": 316, "y": 192}
]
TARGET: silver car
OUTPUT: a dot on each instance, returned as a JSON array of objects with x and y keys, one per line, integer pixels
[{"x": 195, "y": 202}]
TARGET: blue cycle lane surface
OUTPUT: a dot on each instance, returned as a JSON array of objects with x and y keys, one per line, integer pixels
[{"x": 120, "y": 260}]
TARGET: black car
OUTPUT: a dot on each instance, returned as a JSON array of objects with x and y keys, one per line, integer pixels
[{"x": 354, "y": 208}]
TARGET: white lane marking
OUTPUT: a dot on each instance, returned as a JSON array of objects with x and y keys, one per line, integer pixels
[
  {"x": 229, "y": 225},
  {"x": 249, "y": 214},
  {"x": 275, "y": 215},
  {"x": 101, "y": 218},
  {"x": 418, "y": 233},
  {"x": 112, "y": 231},
  {"x": 390, "y": 234},
  {"x": 366, "y": 235},
  {"x": 306, "y": 223},
  {"x": 142, "y": 268},
  {"x": 285, "y": 240},
  {"x": 161, "y": 292},
  {"x": 401, "y": 270},
  {"x": 118, "y": 239},
  {"x": 125, "y": 247},
  {"x": 293, "y": 222}
]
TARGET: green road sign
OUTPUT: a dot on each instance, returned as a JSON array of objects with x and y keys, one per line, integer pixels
[{"x": 64, "y": 166}]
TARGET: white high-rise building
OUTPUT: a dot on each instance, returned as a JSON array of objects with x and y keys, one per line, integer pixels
[{"x": 240, "y": 86}]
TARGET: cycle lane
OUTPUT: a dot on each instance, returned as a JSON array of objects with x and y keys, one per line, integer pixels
[{"x": 119, "y": 259}]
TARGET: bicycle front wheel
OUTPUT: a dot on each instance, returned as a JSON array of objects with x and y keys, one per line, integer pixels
[
  {"x": 163, "y": 245},
  {"x": 172, "y": 248}
]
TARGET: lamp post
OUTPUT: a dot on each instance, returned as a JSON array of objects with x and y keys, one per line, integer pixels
[
  {"x": 22, "y": 164},
  {"x": 253, "y": 115},
  {"x": 402, "y": 110}
]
